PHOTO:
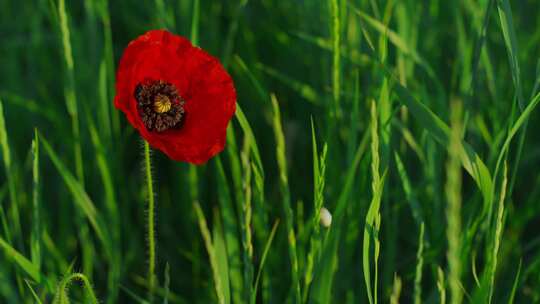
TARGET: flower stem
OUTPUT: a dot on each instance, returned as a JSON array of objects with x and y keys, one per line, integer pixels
[{"x": 151, "y": 233}]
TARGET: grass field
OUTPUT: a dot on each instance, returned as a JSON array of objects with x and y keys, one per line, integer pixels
[{"x": 412, "y": 122}]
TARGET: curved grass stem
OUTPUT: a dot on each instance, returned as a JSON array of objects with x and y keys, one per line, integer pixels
[{"x": 63, "y": 288}]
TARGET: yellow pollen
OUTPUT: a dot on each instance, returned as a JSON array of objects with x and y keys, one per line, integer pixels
[{"x": 162, "y": 104}]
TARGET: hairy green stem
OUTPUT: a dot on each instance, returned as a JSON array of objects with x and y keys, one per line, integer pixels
[
  {"x": 61, "y": 296},
  {"x": 151, "y": 232}
]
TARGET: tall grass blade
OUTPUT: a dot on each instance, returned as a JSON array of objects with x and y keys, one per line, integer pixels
[
  {"x": 10, "y": 176},
  {"x": 245, "y": 220},
  {"x": 514, "y": 286},
  {"x": 221, "y": 257},
  {"x": 441, "y": 285},
  {"x": 319, "y": 172},
  {"x": 26, "y": 265},
  {"x": 231, "y": 232},
  {"x": 336, "y": 64},
  {"x": 69, "y": 89},
  {"x": 262, "y": 92},
  {"x": 522, "y": 119},
  {"x": 510, "y": 41},
  {"x": 303, "y": 89},
  {"x": 70, "y": 96},
  {"x": 472, "y": 163},
  {"x": 35, "y": 240},
  {"x": 396, "y": 290},
  {"x": 322, "y": 284},
  {"x": 167, "y": 283},
  {"x": 497, "y": 234},
  {"x": 211, "y": 252},
  {"x": 164, "y": 16},
  {"x": 111, "y": 205},
  {"x": 286, "y": 199},
  {"x": 453, "y": 209},
  {"x": 104, "y": 102},
  {"x": 407, "y": 188},
  {"x": 231, "y": 33},
  {"x": 419, "y": 266},
  {"x": 195, "y": 22},
  {"x": 353, "y": 141},
  {"x": 134, "y": 296},
  {"x": 81, "y": 198},
  {"x": 263, "y": 260},
  {"x": 373, "y": 217},
  {"x": 109, "y": 63},
  {"x": 397, "y": 41},
  {"x": 31, "y": 105},
  {"x": 246, "y": 128},
  {"x": 33, "y": 292},
  {"x": 521, "y": 142}
]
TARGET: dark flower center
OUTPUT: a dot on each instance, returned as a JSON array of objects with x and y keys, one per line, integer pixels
[{"x": 159, "y": 105}]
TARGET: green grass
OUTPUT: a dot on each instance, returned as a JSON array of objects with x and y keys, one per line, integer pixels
[{"x": 411, "y": 121}]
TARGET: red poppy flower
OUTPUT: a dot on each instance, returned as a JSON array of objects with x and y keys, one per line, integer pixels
[{"x": 176, "y": 95}]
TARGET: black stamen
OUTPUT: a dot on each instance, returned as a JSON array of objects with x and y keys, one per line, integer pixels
[{"x": 156, "y": 116}]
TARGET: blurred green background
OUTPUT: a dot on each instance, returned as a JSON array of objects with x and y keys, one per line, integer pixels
[{"x": 73, "y": 191}]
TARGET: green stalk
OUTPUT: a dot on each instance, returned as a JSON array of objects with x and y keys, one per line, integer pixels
[
  {"x": 205, "y": 232},
  {"x": 6, "y": 156},
  {"x": 319, "y": 172},
  {"x": 499, "y": 225},
  {"x": 441, "y": 285},
  {"x": 69, "y": 90},
  {"x": 10, "y": 176},
  {"x": 336, "y": 41},
  {"x": 286, "y": 199},
  {"x": 150, "y": 223},
  {"x": 396, "y": 290},
  {"x": 109, "y": 62},
  {"x": 70, "y": 96},
  {"x": 195, "y": 23},
  {"x": 35, "y": 242},
  {"x": 231, "y": 33},
  {"x": 453, "y": 208},
  {"x": 245, "y": 221},
  {"x": 419, "y": 265},
  {"x": 373, "y": 216},
  {"x": 162, "y": 14}
]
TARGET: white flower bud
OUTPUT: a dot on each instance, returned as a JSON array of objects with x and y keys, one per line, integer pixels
[{"x": 325, "y": 217}]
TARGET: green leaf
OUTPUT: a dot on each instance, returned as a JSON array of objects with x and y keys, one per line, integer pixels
[
  {"x": 301, "y": 88},
  {"x": 514, "y": 286},
  {"x": 10, "y": 176},
  {"x": 81, "y": 198},
  {"x": 472, "y": 163},
  {"x": 33, "y": 292},
  {"x": 263, "y": 260},
  {"x": 25, "y": 264},
  {"x": 396, "y": 40},
  {"x": 409, "y": 193},
  {"x": 510, "y": 41},
  {"x": 246, "y": 128}
]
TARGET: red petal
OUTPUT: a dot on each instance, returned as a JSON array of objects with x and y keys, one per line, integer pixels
[{"x": 208, "y": 91}]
